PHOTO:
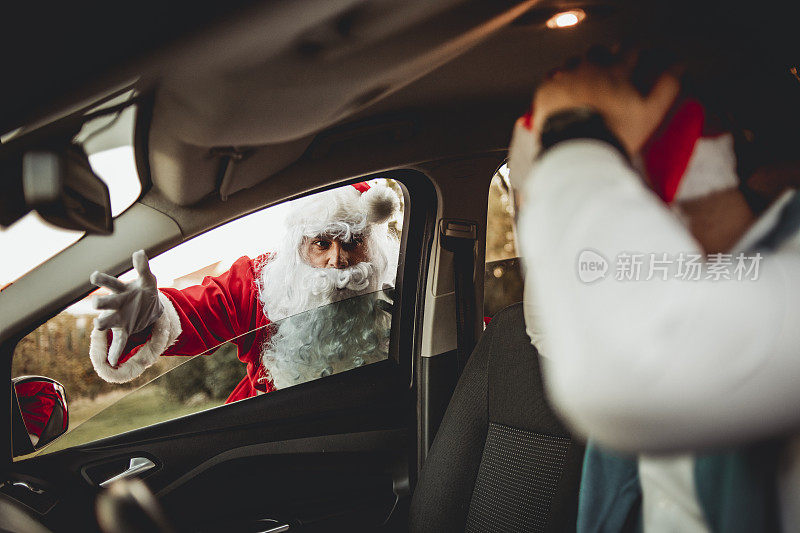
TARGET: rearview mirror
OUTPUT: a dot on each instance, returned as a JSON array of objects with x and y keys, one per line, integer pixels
[
  {"x": 62, "y": 187},
  {"x": 42, "y": 408}
]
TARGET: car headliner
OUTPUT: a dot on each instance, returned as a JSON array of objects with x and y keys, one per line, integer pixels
[{"x": 269, "y": 77}]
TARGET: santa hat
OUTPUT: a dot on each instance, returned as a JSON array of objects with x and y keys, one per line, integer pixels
[
  {"x": 685, "y": 159},
  {"x": 344, "y": 210}
]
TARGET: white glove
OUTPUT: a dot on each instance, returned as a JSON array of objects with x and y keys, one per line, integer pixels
[
  {"x": 131, "y": 308},
  {"x": 524, "y": 148}
]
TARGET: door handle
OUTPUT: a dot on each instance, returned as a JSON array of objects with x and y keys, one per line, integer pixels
[
  {"x": 277, "y": 527},
  {"x": 136, "y": 466}
]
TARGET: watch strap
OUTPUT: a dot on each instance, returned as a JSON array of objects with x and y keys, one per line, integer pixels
[{"x": 578, "y": 123}]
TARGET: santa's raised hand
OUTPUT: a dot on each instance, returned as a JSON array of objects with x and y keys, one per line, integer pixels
[{"x": 131, "y": 308}]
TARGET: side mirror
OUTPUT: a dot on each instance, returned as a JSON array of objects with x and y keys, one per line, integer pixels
[{"x": 40, "y": 412}]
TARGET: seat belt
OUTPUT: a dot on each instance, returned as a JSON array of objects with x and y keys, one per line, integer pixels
[{"x": 458, "y": 237}]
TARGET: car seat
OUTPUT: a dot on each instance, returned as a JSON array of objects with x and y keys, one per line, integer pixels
[{"x": 501, "y": 460}]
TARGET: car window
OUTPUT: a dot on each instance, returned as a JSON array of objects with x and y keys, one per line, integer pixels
[
  {"x": 206, "y": 380},
  {"x": 222, "y": 286},
  {"x": 503, "y": 273}
]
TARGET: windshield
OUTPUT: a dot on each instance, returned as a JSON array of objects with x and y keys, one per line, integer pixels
[
  {"x": 192, "y": 384},
  {"x": 108, "y": 141}
]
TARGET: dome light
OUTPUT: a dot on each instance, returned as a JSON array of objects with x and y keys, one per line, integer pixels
[{"x": 566, "y": 19}]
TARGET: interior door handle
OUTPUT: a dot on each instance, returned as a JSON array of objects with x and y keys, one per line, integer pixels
[
  {"x": 280, "y": 528},
  {"x": 136, "y": 466}
]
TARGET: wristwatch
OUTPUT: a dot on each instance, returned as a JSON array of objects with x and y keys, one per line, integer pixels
[{"x": 578, "y": 123}]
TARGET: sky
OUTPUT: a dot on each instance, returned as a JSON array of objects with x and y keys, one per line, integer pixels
[{"x": 250, "y": 235}]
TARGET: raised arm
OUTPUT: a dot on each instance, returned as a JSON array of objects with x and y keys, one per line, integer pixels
[
  {"x": 146, "y": 323},
  {"x": 651, "y": 365}
]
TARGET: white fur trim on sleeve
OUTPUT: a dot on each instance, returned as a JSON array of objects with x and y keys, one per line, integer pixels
[{"x": 166, "y": 330}]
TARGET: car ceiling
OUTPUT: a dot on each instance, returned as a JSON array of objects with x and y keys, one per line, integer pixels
[
  {"x": 265, "y": 80},
  {"x": 341, "y": 68}
]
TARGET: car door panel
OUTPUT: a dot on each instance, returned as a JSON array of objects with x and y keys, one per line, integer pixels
[{"x": 276, "y": 455}]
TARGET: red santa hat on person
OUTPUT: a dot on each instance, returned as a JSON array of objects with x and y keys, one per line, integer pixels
[
  {"x": 685, "y": 158},
  {"x": 296, "y": 295},
  {"x": 380, "y": 202},
  {"x": 344, "y": 211}
]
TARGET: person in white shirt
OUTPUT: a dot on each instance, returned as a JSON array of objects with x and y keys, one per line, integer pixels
[{"x": 642, "y": 359}]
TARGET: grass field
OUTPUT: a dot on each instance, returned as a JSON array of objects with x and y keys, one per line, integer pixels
[
  {"x": 124, "y": 410},
  {"x": 143, "y": 407}
]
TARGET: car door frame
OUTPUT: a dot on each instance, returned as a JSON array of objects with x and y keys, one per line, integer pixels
[{"x": 379, "y": 397}]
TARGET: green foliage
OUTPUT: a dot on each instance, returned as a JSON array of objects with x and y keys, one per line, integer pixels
[
  {"x": 213, "y": 376},
  {"x": 224, "y": 371},
  {"x": 502, "y": 285},
  {"x": 141, "y": 408},
  {"x": 59, "y": 349},
  {"x": 500, "y": 237},
  {"x": 503, "y": 275}
]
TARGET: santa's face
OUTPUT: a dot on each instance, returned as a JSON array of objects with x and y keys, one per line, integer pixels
[
  {"x": 324, "y": 251},
  {"x": 320, "y": 270},
  {"x": 323, "y": 305},
  {"x": 320, "y": 288}
]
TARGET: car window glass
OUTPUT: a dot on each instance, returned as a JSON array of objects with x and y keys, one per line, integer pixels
[
  {"x": 242, "y": 356},
  {"x": 503, "y": 272},
  {"x": 206, "y": 380}
]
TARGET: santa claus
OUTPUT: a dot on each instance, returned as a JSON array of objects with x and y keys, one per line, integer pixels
[{"x": 275, "y": 308}]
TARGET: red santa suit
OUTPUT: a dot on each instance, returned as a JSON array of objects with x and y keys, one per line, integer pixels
[{"x": 224, "y": 308}]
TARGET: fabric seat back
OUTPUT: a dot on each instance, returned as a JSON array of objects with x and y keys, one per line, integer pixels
[{"x": 501, "y": 460}]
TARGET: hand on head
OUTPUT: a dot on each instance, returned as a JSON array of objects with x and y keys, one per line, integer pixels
[
  {"x": 602, "y": 81},
  {"x": 609, "y": 83}
]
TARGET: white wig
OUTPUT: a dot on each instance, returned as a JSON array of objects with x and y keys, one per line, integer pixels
[
  {"x": 309, "y": 340},
  {"x": 328, "y": 340},
  {"x": 342, "y": 213}
]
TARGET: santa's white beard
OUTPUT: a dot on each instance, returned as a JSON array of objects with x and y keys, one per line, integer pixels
[
  {"x": 328, "y": 285},
  {"x": 324, "y": 320},
  {"x": 292, "y": 287},
  {"x": 327, "y": 340}
]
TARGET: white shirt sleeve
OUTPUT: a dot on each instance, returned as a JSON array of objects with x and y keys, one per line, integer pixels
[{"x": 658, "y": 365}]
